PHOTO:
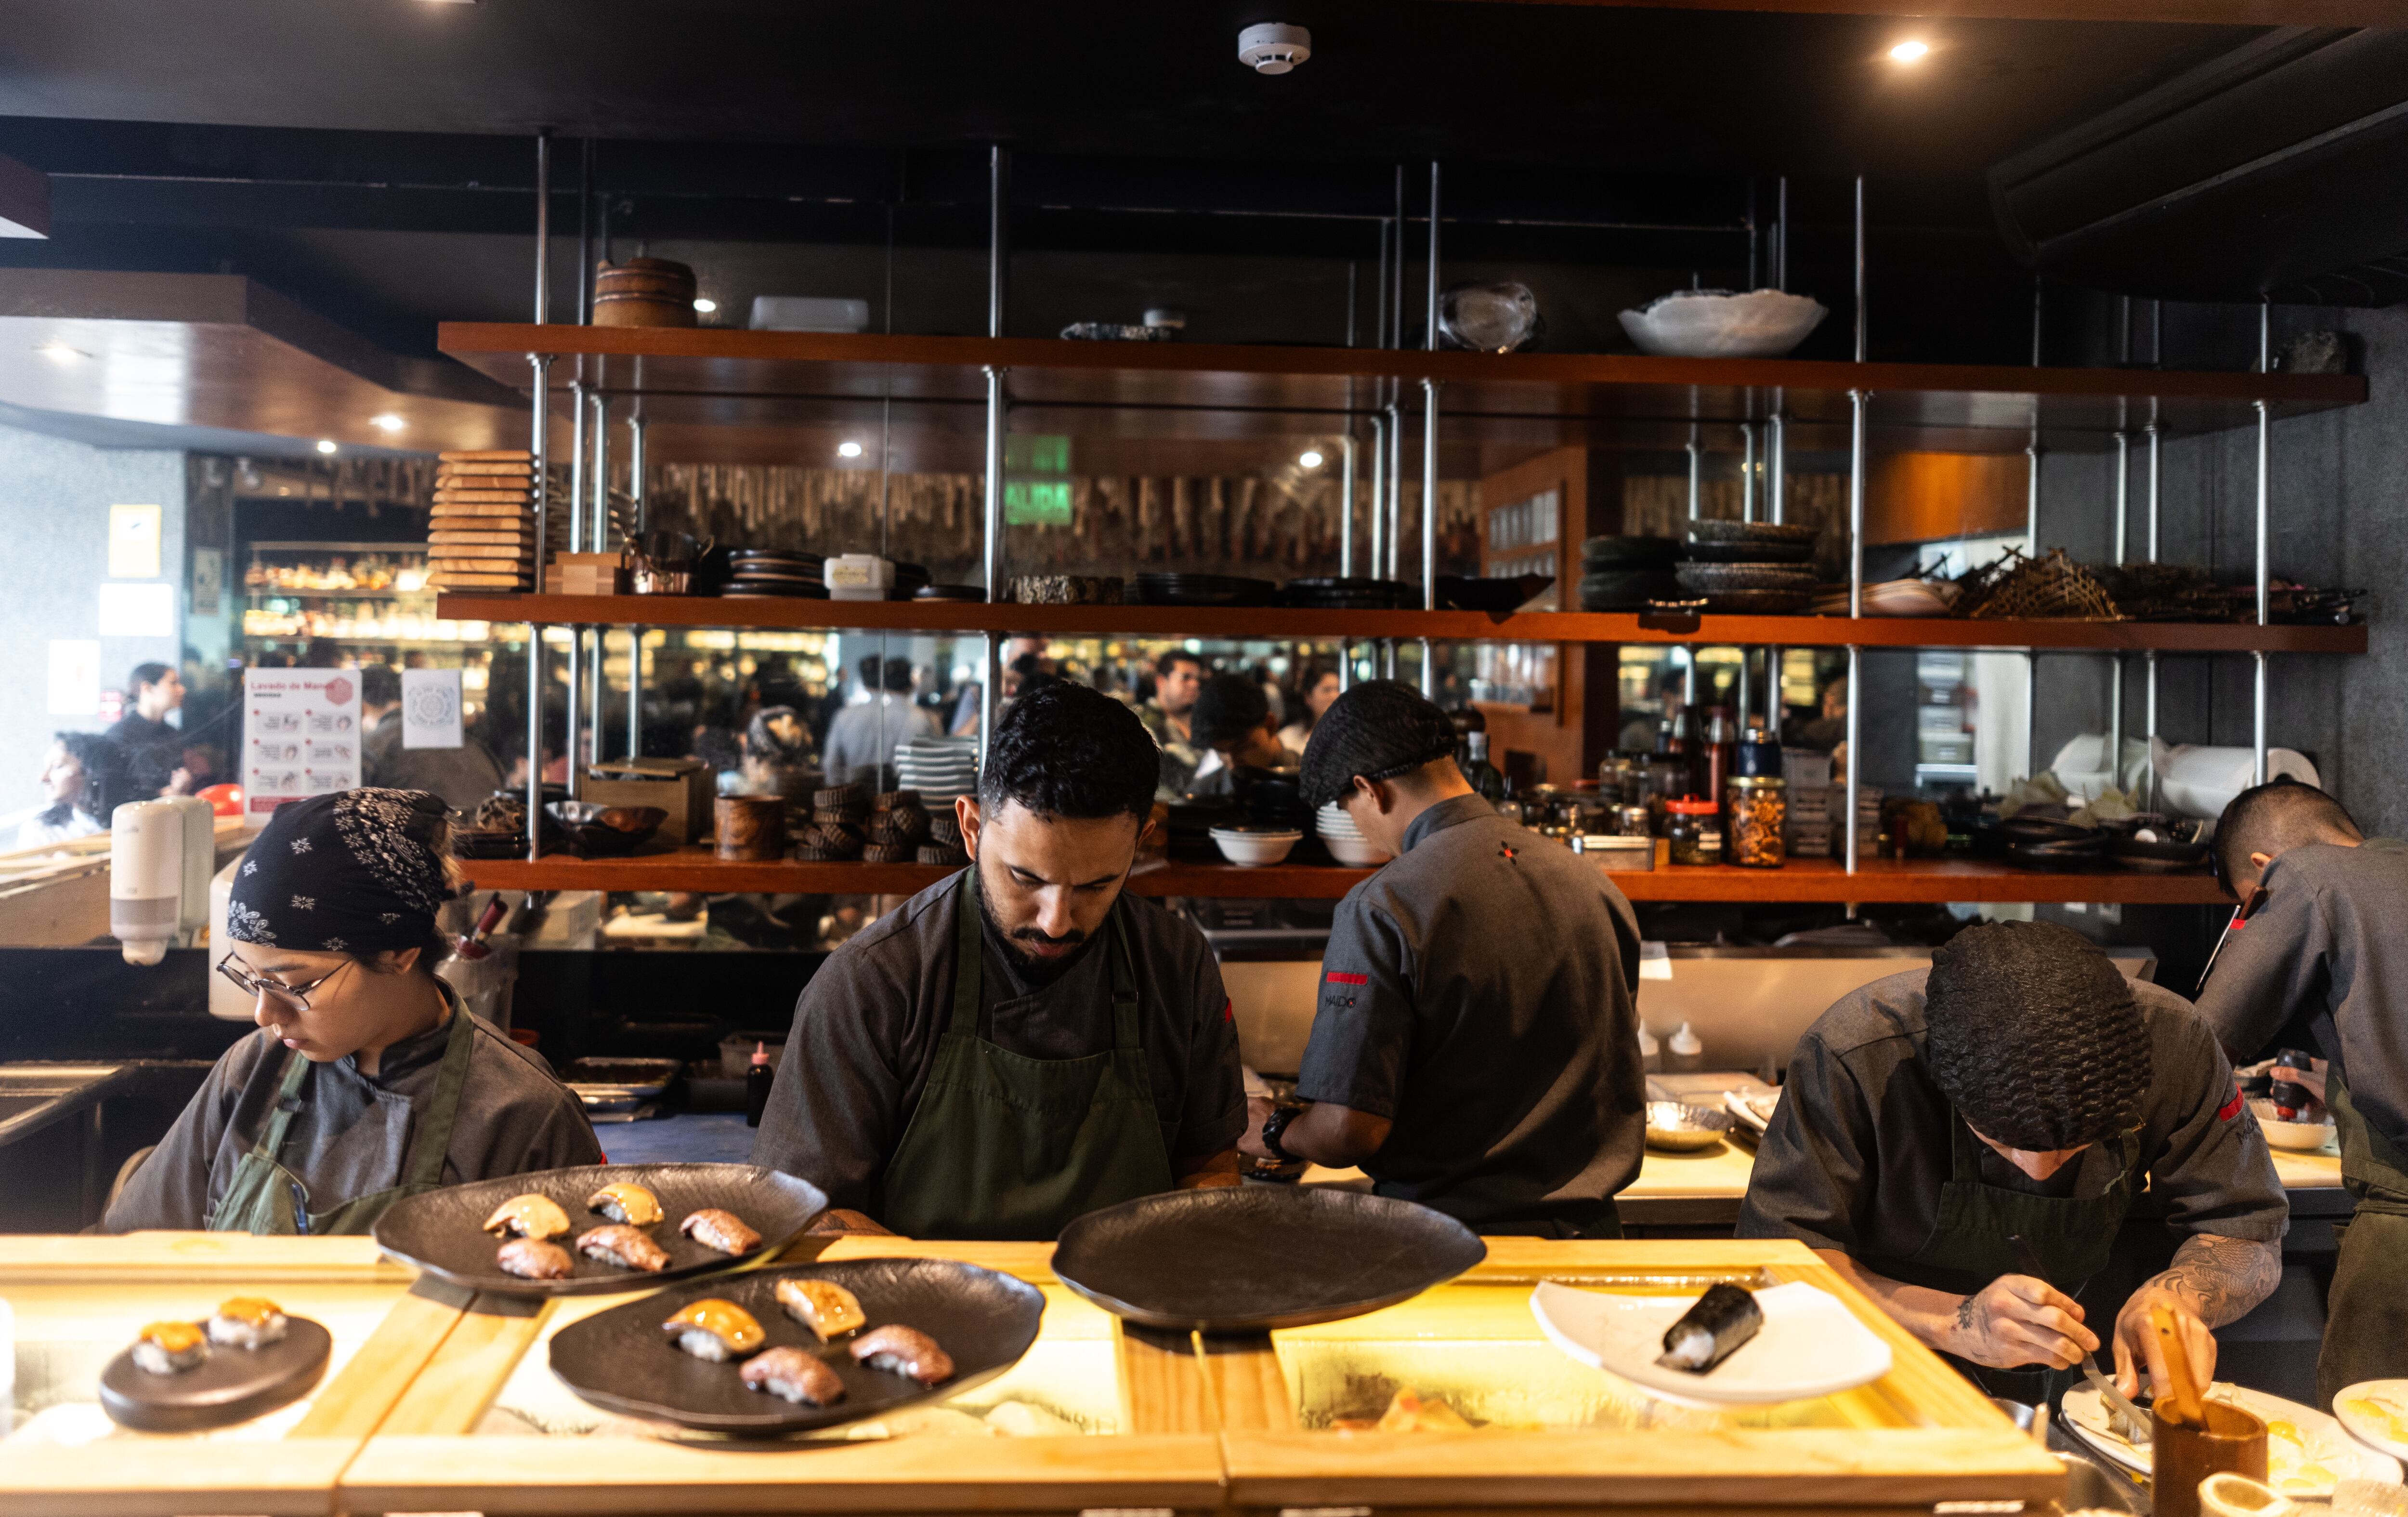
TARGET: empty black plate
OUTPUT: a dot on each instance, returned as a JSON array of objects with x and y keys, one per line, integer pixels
[
  {"x": 230, "y": 1386},
  {"x": 1250, "y": 1258},
  {"x": 622, "y": 1361},
  {"x": 442, "y": 1232}
]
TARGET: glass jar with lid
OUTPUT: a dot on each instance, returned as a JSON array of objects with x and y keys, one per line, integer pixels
[
  {"x": 1759, "y": 811},
  {"x": 1696, "y": 830}
]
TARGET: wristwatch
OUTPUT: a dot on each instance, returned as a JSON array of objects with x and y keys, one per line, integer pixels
[{"x": 1275, "y": 1125}]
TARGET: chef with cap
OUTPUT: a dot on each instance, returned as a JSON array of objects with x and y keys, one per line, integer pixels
[
  {"x": 1476, "y": 1044},
  {"x": 367, "y": 1080},
  {"x": 1964, "y": 1142}
]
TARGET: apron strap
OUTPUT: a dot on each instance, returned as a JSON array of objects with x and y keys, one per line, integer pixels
[
  {"x": 1125, "y": 1017},
  {"x": 970, "y": 971},
  {"x": 435, "y": 1143},
  {"x": 288, "y": 1101}
]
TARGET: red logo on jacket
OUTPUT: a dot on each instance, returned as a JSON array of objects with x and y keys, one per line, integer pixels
[{"x": 1337, "y": 976}]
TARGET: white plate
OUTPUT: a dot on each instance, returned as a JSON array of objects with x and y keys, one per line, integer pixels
[
  {"x": 1742, "y": 1105},
  {"x": 2375, "y": 1427},
  {"x": 1811, "y": 1345},
  {"x": 2302, "y": 1466}
]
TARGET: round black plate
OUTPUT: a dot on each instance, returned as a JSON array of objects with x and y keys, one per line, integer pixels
[
  {"x": 1250, "y": 1258},
  {"x": 620, "y": 1360},
  {"x": 232, "y": 1385},
  {"x": 442, "y": 1232}
]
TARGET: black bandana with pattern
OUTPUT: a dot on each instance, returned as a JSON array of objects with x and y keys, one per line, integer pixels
[{"x": 356, "y": 872}]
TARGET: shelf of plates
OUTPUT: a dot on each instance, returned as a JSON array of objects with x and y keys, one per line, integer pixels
[{"x": 1823, "y": 880}]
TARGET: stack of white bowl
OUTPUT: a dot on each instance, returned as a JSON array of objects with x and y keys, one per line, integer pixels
[
  {"x": 1255, "y": 845},
  {"x": 1345, "y": 841}
]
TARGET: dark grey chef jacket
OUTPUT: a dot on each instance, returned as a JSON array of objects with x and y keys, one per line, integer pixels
[
  {"x": 353, "y": 1135},
  {"x": 2332, "y": 941},
  {"x": 866, "y": 1032},
  {"x": 1861, "y": 1145},
  {"x": 1479, "y": 991}
]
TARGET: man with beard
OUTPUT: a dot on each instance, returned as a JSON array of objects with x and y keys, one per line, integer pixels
[{"x": 1024, "y": 1042}]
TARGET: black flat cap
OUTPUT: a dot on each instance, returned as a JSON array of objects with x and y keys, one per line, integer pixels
[
  {"x": 2034, "y": 1035},
  {"x": 1378, "y": 730}
]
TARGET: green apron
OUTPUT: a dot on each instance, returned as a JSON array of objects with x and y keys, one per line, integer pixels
[
  {"x": 1003, "y": 1146},
  {"x": 2366, "y": 1311},
  {"x": 1985, "y": 1231},
  {"x": 267, "y": 1198}
]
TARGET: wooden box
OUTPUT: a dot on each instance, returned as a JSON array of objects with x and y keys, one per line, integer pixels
[{"x": 683, "y": 788}]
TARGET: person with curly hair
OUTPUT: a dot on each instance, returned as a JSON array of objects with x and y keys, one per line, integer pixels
[
  {"x": 1966, "y": 1143},
  {"x": 84, "y": 778},
  {"x": 1023, "y": 1042}
]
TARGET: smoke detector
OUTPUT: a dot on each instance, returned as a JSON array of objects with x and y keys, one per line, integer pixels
[{"x": 1273, "y": 46}]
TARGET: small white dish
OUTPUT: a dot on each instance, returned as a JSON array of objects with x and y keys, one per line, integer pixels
[
  {"x": 2376, "y": 1413},
  {"x": 1754, "y": 1109},
  {"x": 2298, "y": 1137},
  {"x": 1718, "y": 324},
  {"x": 1355, "y": 852},
  {"x": 1250, "y": 847},
  {"x": 1811, "y": 1345},
  {"x": 2306, "y": 1452}
]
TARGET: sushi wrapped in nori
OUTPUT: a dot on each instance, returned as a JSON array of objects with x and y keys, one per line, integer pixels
[
  {"x": 617, "y": 1244},
  {"x": 626, "y": 1202},
  {"x": 168, "y": 1348},
  {"x": 800, "y": 1378},
  {"x": 528, "y": 1216},
  {"x": 1712, "y": 1329},
  {"x": 247, "y": 1322},
  {"x": 905, "y": 1351},
  {"x": 716, "y": 1330},
  {"x": 827, "y": 1308},
  {"x": 722, "y": 1230},
  {"x": 535, "y": 1259}
]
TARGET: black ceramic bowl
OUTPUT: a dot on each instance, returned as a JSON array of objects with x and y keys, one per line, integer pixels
[{"x": 601, "y": 832}]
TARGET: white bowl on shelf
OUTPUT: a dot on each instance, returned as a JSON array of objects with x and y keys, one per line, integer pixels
[
  {"x": 1253, "y": 844},
  {"x": 1355, "y": 852},
  {"x": 2298, "y": 1137},
  {"x": 1719, "y": 323}
]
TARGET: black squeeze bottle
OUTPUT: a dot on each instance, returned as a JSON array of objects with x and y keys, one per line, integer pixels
[{"x": 758, "y": 1078}]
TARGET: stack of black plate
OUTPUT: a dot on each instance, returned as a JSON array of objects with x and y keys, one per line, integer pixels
[
  {"x": 774, "y": 573},
  {"x": 910, "y": 580},
  {"x": 1330, "y": 593},
  {"x": 1626, "y": 574},
  {"x": 1758, "y": 567},
  {"x": 1204, "y": 590},
  {"x": 950, "y": 592}
]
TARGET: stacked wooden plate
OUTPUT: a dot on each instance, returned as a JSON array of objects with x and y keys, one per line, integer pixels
[
  {"x": 481, "y": 531},
  {"x": 643, "y": 292}
]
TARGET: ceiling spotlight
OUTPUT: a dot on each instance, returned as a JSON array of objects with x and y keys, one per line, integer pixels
[
  {"x": 848, "y": 450},
  {"x": 1310, "y": 458},
  {"x": 1911, "y": 50},
  {"x": 386, "y": 423},
  {"x": 325, "y": 444},
  {"x": 1273, "y": 46},
  {"x": 705, "y": 304}
]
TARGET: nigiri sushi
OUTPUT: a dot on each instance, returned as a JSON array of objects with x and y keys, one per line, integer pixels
[
  {"x": 626, "y": 1202},
  {"x": 616, "y": 1243},
  {"x": 827, "y": 1308},
  {"x": 716, "y": 1330},
  {"x": 800, "y": 1378},
  {"x": 722, "y": 1230},
  {"x": 528, "y": 1217},
  {"x": 247, "y": 1322},
  {"x": 905, "y": 1351},
  {"x": 534, "y": 1259},
  {"x": 169, "y": 1348},
  {"x": 1712, "y": 1330}
]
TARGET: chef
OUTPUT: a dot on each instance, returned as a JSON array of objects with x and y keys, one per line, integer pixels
[
  {"x": 1476, "y": 1044},
  {"x": 2319, "y": 939},
  {"x": 1963, "y": 1143},
  {"x": 1233, "y": 718},
  {"x": 367, "y": 1080},
  {"x": 1023, "y": 1042}
]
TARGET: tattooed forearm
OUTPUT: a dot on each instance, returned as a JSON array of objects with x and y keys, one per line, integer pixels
[
  {"x": 1965, "y": 1313},
  {"x": 2223, "y": 1276}
]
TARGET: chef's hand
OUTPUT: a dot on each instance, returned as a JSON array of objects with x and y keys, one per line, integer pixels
[
  {"x": 2136, "y": 1342},
  {"x": 1258, "y": 1109},
  {"x": 2017, "y": 1319}
]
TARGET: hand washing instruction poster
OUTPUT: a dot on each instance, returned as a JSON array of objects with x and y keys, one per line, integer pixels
[{"x": 301, "y": 734}]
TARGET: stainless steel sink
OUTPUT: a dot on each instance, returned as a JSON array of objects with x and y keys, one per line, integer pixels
[{"x": 33, "y": 1095}]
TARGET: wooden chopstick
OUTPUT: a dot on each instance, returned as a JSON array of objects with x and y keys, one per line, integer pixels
[{"x": 2182, "y": 1397}]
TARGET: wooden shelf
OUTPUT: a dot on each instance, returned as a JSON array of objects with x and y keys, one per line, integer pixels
[
  {"x": 1923, "y": 880},
  {"x": 1444, "y": 625}
]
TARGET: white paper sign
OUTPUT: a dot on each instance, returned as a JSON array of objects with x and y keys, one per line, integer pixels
[
  {"x": 74, "y": 677},
  {"x": 137, "y": 610},
  {"x": 301, "y": 734},
  {"x": 430, "y": 708}
]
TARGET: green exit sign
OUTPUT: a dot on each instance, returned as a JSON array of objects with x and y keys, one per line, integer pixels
[
  {"x": 1035, "y": 453},
  {"x": 1039, "y": 502}
]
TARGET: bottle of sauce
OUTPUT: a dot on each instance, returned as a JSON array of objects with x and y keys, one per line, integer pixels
[
  {"x": 758, "y": 1075},
  {"x": 1719, "y": 753},
  {"x": 1695, "y": 830},
  {"x": 1651, "y": 1053},
  {"x": 1684, "y": 1054}
]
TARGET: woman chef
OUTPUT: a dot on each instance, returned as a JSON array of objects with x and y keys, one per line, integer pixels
[
  {"x": 1964, "y": 1142},
  {"x": 367, "y": 1081}
]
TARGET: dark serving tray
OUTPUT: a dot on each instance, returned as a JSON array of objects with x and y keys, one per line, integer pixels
[{"x": 232, "y": 1385}]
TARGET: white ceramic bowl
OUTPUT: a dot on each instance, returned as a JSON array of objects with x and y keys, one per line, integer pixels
[
  {"x": 1241, "y": 847},
  {"x": 2300, "y": 1137},
  {"x": 1355, "y": 852},
  {"x": 1718, "y": 323}
]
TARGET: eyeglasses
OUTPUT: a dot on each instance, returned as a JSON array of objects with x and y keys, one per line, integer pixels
[{"x": 297, "y": 996}]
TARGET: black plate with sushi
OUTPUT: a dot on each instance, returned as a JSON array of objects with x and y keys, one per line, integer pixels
[
  {"x": 445, "y": 1234},
  {"x": 209, "y": 1377},
  {"x": 624, "y": 1359}
]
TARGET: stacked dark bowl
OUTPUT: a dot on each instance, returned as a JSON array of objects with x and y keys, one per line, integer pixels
[
  {"x": 775, "y": 573},
  {"x": 1456, "y": 592},
  {"x": 1627, "y": 573},
  {"x": 910, "y": 580},
  {"x": 1750, "y": 568},
  {"x": 1204, "y": 590},
  {"x": 1334, "y": 593}
]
